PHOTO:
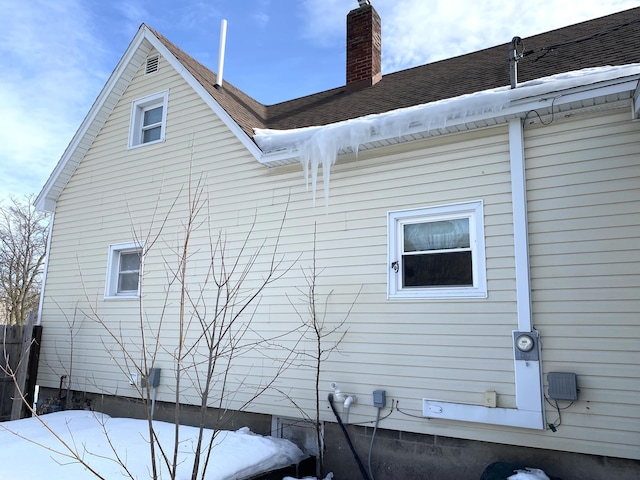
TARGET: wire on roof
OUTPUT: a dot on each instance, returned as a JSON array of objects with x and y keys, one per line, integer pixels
[{"x": 545, "y": 50}]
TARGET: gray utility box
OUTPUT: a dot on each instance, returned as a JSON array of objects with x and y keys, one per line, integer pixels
[
  {"x": 154, "y": 377},
  {"x": 562, "y": 386}
]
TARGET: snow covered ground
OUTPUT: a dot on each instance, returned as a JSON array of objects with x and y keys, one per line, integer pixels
[
  {"x": 30, "y": 451},
  {"x": 236, "y": 455}
]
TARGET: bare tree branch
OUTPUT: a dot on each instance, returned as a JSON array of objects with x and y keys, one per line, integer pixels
[{"x": 23, "y": 241}]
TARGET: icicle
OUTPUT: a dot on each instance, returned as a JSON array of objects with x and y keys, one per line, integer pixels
[{"x": 320, "y": 145}]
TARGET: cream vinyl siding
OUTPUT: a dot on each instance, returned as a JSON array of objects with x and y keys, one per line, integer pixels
[
  {"x": 450, "y": 350},
  {"x": 411, "y": 348},
  {"x": 584, "y": 224}
]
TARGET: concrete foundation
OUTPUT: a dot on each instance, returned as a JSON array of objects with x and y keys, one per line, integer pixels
[
  {"x": 402, "y": 455},
  {"x": 127, "y": 407}
]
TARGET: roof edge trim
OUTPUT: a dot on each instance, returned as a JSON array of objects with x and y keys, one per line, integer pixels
[
  {"x": 282, "y": 147},
  {"x": 86, "y": 133},
  {"x": 206, "y": 96},
  {"x": 45, "y": 200}
]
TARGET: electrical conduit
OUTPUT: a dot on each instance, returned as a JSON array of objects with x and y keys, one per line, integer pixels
[{"x": 363, "y": 471}]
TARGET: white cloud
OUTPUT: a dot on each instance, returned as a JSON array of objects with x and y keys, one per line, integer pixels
[
  {"x": 417, "y": 32},
  {"x": 261, "y": 16},
  {"x": 133, "y": 13},
  {"x": 48, "y": 70},
  {"x": 323, "y": 22},
  {"x": 193, "y": 15}
]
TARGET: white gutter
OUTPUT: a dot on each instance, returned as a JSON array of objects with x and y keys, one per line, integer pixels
[
  {"x": 500, "y": 105},
  {"x": 528, "y": 373},
  {"x": 636, "y": 103}
]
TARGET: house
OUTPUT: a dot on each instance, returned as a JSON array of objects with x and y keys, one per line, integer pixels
[{"x": 475, "y": 250}]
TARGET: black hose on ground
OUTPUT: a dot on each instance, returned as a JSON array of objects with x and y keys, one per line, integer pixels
[{"x": 363, "y": 471}]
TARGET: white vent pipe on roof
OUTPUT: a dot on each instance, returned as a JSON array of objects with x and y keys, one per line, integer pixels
[{"x": 223, "y": 41}]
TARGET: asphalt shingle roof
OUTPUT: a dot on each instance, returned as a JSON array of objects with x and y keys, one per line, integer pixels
[{"x": 609, "y": 40}]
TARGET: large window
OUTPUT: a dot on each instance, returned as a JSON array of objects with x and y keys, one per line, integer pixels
[
  {"x": 123, "y": 271},
  {"x": 148, "y": 119},
  {"x": 437, "y": 252}
]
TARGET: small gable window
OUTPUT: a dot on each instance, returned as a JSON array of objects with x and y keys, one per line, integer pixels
[
  {"x": 148, "y": 119},
  {"x": 123, "y": 271},
  {"x": 152, "y": 124},
  {"x": 437, "y": 252}
]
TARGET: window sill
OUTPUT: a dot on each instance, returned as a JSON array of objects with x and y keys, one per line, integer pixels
[
  {"x": 438, "y": 294},
  {"x": 133, "y": 147},
  {"x": 122, "y": 297}
]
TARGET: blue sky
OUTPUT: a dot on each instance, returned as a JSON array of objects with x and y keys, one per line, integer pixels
[{"x": 55, "y": 56}]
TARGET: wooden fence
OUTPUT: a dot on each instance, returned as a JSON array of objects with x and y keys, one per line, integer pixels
[{"x": 20, "y": 350}]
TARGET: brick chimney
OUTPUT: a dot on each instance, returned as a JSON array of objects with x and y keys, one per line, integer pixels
[{"x": 364, "y": 47}]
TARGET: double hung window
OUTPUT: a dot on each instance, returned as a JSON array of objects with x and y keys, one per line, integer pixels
[
  {"x": 148, "y": 120},
  {"x": 152, "y": 124},
  {"x": 123, "y": 271},
  {"x": 437, "y": 252}
]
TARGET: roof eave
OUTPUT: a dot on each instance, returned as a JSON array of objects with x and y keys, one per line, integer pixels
[{"x": 572, "y": 99}]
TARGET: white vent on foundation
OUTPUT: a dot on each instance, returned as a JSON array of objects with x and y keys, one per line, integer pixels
[{"x": 152, "y": 64}]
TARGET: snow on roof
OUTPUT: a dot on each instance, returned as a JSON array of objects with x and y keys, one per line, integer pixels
[{"x": 320, "y": 145}]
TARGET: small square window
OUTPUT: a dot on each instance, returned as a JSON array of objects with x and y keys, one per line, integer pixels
[
  {"x": 123, "y": 271},
  {"x": 437, "y": 252},
  {"x": 148, "y": 120}
]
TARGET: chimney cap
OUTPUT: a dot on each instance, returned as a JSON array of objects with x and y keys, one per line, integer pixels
[{"x": 362, "y": 3}]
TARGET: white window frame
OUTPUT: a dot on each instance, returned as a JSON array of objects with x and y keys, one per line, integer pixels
[
  {"x": 474, "y": 211},
  {"x": 138, "y": 108},
  {"x": 113, "y": 270}
]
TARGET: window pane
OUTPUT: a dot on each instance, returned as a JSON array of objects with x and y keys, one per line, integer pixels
[
  {"x": 419, "y": 237},
  {"x": 130, "y": 262},
  {"x": 437, "y": 269},
  {"x": 152, "y": 116},
  {"x": 151, "y": 135},
  {"x": 128, "y": 282},
  {"x": 129, "y": 272}
]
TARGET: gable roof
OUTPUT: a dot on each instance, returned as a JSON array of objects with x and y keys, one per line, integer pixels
[
  {"x": 609, "y": 40},
  {"x": 245, "y": 111}
]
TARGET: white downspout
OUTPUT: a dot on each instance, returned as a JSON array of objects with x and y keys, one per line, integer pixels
[
  {"x": 529, "y": 411},
  {"x": 45, "y": 269},
  {"x": 520, "y": 225},
  {"x": 528, "y": 374}
]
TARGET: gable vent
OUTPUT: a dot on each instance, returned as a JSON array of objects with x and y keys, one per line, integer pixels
[{"x": 152, "y": 64}]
